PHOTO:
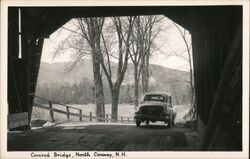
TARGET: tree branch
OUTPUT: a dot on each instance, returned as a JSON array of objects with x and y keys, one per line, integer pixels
[{"x": 107, "y": 53}]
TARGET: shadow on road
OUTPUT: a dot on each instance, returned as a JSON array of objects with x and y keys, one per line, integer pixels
[
  {"x": 100, "y": 137},
  {"x": 154, "y": 127}
]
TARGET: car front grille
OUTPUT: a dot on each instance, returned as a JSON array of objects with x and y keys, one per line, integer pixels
[{"x": 151, "y": 110}]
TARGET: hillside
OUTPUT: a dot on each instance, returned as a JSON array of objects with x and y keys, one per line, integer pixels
[
  {"x": 59, "y": 73},
  {"x": 161, "y": 78}
]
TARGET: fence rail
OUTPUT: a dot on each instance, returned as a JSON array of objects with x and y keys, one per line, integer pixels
[{"x": 107, "y": 118}]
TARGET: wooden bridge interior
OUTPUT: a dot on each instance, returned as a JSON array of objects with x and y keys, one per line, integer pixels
[{"x": 217, "y": 58}]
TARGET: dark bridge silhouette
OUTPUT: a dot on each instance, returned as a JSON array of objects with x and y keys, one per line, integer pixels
[{"x": 217, "y": 59}]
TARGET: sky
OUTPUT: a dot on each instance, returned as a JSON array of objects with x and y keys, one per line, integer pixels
[{"x": 169, "y": 40}]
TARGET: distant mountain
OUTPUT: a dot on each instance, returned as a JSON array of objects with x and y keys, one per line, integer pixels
[
  {"x": 161, "y": 78},
  {"x": 62, "y": 73}
]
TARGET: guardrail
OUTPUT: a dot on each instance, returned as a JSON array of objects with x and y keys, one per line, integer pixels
[{"x": 108, "y": 117}]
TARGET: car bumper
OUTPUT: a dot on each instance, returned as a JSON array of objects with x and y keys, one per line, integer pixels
[{"x": 144, "y": 117}]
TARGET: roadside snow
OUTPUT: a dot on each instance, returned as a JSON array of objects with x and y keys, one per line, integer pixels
[{"x": 181, "y": 111}]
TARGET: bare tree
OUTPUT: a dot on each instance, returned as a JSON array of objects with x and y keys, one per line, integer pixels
[
  {"x": 189, "y": 60},
  {"x": 89, "y": 39},
  {"x": 143, "y": 38},
  {"x": 91, "y": 30},
  {"x": 123, "y": 32},
  {"x": 135, "y": 57},
  {"x": 149, "y": 34},
  {"x": 85, "y": 39}
]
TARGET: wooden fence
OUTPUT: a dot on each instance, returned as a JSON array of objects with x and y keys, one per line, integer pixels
[{"x": 108, "y": 117}]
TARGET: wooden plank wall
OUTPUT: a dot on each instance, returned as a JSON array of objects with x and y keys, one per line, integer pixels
[
  {"x": 22, "y": 72},
  {"x": 214, "y": 32}
]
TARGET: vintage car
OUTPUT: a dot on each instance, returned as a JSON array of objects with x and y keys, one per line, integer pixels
[{"x": 156, "y": 106}]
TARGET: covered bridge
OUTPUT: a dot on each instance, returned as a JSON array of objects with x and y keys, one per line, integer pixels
[{"x": 217, "y": 58}]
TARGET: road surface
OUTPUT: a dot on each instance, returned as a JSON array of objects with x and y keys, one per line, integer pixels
[{"x": 76, "y": 136}]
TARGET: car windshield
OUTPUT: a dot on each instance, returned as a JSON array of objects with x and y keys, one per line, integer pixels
[{"x": 151, "y": 97}]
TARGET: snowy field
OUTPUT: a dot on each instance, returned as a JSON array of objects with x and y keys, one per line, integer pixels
[{"x": 125, "y": 110}]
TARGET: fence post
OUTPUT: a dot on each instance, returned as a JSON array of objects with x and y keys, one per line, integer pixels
[
  {"x": 80, "y": 117},
  {"x": 51, "y": 112},
  {"x": 90, "y": 116},
  {"x": 67, "y": 112},
  {"x": 128, "y": 119},
  {"x": 121, "y": 119},
  {"x": 107, "y": 118}
]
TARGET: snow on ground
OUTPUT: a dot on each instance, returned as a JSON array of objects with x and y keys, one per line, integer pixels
[
  {"x": 126, "y": 110},
  {"x": 181, "y": 110}
]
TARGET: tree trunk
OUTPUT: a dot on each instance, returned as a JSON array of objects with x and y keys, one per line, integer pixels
[
  {"x": 192, "y": 88},
  {"x": 98, "y": 88},
  {"x": 136, "y": 82},
  {"x": 145, "y": 73},
  {"x": 191, "y": 79},
  {"x": 115, "y": 100},
  {"x": 143, "y": 76}
]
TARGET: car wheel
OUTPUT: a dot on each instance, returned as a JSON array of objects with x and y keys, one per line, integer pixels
[
  {"x": 138, "y": 123},
  {"x": 147, "y": 122},
  {"x": 170, "y": 123},
  {"x": 173, "y": 123}
]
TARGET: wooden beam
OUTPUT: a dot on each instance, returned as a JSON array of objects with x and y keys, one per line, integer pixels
[{"x": 18, "y": 120}]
